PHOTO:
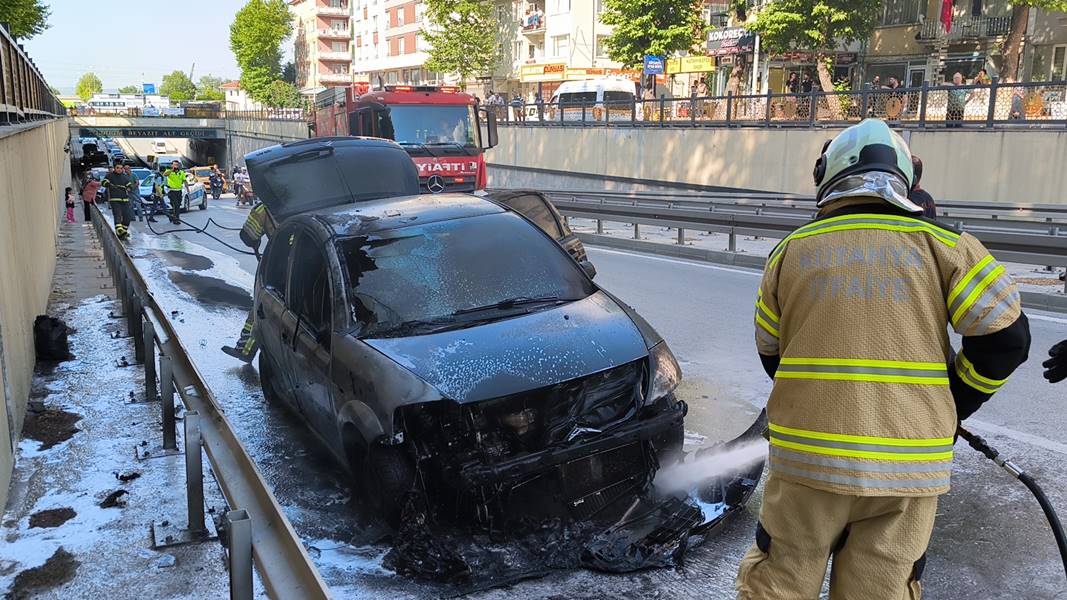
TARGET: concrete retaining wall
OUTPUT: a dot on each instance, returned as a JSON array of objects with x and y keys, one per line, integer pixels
[
  {"x": 34, "y": 170},
  {"x": 246, "y": 135},
  {"x": 998, "y": 165}
]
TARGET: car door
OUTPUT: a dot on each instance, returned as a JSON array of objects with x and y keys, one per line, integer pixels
[
  {"x": 272, "y": 327},
  {"x": 311, "y": 298}
]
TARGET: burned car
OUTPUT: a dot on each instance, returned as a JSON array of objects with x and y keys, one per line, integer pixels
[{"x": 447, "y": 348}]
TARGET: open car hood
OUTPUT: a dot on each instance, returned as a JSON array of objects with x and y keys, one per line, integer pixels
[
  {"x": 520, "y": 353},
  {"x": 326, "y": 172}
]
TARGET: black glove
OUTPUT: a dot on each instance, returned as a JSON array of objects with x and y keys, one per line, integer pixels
[{"x": 1056, "y": 367}]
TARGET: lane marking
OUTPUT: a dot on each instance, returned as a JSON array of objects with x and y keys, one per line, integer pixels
[
  {"x": 753, "y": 273},
  {"x": 1046, "y": 318},
  {"x": 1019, "y": 436}
]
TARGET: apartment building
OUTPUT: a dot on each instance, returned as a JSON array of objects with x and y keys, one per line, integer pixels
[
  {"x": 322, "y": 50},
  {"x": 389, "y": 45}
]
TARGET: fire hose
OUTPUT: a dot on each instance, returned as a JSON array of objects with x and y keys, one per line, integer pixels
[{"x": 992, "y": 454}]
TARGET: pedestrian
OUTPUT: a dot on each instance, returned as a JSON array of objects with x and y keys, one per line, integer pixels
[
  {"x": 89, "y": 190},
  {"x": 957, "y": 101},
  {"x": 851, "y": 323},
  {"x": 792, "y": 85},
  {"x": 135, "y": 194},
  {"x": 241, "y": 182},
  {"x": 68, "y": 199},
  {"x": 804, "y": 105},
  {"x": 1018, "y": 111},
  {"x": 259, "y": 223},
  {"x": 982, "y": 78},
  {"x": 702, "y": 92},
  {"x": 175, "y": 182},
  {"x": 118, "y": 185},
  {"x": 917, "y": 195},
  {"x": 517, "y": 108}
]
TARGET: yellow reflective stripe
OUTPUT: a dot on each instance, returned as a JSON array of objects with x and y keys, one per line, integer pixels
[
  {"x": 968, "y": 277},
  {"x": 881, "y": 217},
  {"x": 917, "y": 456},
  {"x": 760, "y": 304},
  {"x": 863, "y": 377},
  {"x": 863, "y": 362},
  {"x": 860, "y": 439},
  {"x": 976, "y": 292},
  {"x": 969, "y": 375},
  {"x": 767, "y": 326},
  {"x": 907, "y": 225}
]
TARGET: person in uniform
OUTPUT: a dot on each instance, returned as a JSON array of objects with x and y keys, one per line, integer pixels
[
  {"x": 118, "y": 184},
  {"x": 258, "y": 225}
]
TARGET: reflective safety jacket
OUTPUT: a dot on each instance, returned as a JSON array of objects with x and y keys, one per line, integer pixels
[
  {"x": 851, "y": 321},
  {"x": 258, "y": 224},
  {"x": 175, "y": 179}
]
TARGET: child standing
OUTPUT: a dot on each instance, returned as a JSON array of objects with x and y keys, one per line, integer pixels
[{"x": 70, "y": 205}]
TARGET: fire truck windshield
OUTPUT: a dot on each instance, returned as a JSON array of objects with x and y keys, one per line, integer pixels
[{"x": 431, "y": 124}]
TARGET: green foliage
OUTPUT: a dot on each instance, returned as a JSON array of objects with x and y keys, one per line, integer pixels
[
  {"x": 1050, "y": 5},
  {"x": 815, "y": 25},
  {"x": 208, "y": 88},
  {"x": 460, "y": 37},
  {"x": 24, "y": 18},
  {"x": 256, "y": 37},
  {"x": 178, "y": 86},
  {"x": 651, "y": 27},
  {"x": 88, "y": 85},
  {"x": 130, "y": 89},
  {"x": 289, "y": 72},
  {"x": 54, "y": 90},
  {"x": 281, "y": 94}
]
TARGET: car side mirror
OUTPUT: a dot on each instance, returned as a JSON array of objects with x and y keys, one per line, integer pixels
[
  {"x": 490, "y": 138},
  {"x": 588, "y": 267}
]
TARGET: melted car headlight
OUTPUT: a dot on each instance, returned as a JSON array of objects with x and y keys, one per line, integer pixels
[{"x": 665, "y": 373}]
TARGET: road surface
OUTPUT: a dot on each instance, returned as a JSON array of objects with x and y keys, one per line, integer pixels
[{"x": 990, "y": 541}]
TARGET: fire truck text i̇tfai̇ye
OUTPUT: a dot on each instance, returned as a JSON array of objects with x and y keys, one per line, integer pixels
[{"x": 443, "y": 130}]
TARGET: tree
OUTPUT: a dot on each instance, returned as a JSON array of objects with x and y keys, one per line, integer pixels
[
  {"x": 459, "y": 37},
  {"x": 650, "y": 27},
  {"x": 281, "y": 94},
  {"x": 208, "y": 88},
  {"x": 24, "y": 18},
  {"x": 130, "y": 89},
  {"x": 88, "y": 85},
  {"x": 817, "y": 26},
  {"x": 289, "y": 72},
  {"x": 1013, "y": 44},
  {"x": 256, "y": 37},
  {"x": 178, "y": 87}
]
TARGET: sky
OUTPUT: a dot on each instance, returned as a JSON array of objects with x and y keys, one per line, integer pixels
[{"x": 154, "y": 38}]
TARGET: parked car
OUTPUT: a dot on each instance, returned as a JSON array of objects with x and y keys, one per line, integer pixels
[
  {"x": 150, "y": 189},
  {"x": 195, "y": 196},
  {"x": 448, "y": 335}
]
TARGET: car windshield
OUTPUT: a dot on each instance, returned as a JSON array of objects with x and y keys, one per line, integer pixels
[
  {"x": 430, "y": 124},
  {"x": 141, "y": 174},
  {"x": 455, "y": 273},
  {"x": 202, "y": 172}
]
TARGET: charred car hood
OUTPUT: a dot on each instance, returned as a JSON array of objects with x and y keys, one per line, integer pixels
[{"x": 520, "y": 353}]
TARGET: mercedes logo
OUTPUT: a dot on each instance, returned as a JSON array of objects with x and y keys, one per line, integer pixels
[{"x": 436, "y": 184}]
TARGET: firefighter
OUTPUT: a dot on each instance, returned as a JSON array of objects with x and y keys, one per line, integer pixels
[
  {"x": 851, "y": 322},
  {"x": 175, "y": 180},
  {"x": 118, "y": 185},
  {"x": 258, "y": 224}
]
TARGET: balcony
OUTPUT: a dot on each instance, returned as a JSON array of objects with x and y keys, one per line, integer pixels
[
  {"x": 335, "y": 34},
  {"x": 335, "y": 56},
  {"x": 335, "y": 77},
  {"x": 965, "y": 28},
  {"x": 332, "y": 11}
]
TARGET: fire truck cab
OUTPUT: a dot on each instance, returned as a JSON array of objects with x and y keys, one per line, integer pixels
[{"x": 442, "y": 129}]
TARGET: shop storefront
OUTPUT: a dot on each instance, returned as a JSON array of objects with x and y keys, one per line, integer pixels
[
  {"x": 729, "y": 47},
  {"x": 544, "y": 78},
  {"x": 780, "y": 66}
]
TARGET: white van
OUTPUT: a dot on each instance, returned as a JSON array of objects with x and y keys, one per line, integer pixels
[{"x": 595, "y": 99}]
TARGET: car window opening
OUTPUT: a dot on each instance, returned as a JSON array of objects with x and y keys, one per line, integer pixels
[{"x": 309, "y": 289}]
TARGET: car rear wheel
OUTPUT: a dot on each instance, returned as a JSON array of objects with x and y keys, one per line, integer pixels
[
  {"x": 267, "y": 380},
  {"x": 203, "y": 205}
]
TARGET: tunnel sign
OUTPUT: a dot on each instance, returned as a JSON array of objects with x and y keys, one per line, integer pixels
[{"x": 200, "y": 133}]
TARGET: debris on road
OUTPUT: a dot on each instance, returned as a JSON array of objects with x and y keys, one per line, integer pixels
[{"x": 53, "y": 517}]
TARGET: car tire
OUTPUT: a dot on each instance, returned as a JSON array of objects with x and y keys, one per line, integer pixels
[
  {"x": 203, "y": 205},
  {"x": 385, "y": 475},
  {"x": 267, "y": 380}
]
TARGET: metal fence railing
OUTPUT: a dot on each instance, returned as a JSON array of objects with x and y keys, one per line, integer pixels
[
  {"x": 272, "y": 114},
  {"x": 1036, "y": 104},
  {"x": 24, "y": 94}
]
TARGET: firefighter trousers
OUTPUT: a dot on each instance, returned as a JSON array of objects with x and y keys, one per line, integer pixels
[
  {"x": 246, "y": 343},
  {"x": 123, "y": 214},
  {"x": 878, "y": 545}
]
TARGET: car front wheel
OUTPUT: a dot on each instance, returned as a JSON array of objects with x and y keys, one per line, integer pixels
[
  {"x": 203, "y": 205},
  {"x": 384, "y": 474}
]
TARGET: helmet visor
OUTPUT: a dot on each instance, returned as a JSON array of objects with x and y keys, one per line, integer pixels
[{"x": 887, "y": 186}]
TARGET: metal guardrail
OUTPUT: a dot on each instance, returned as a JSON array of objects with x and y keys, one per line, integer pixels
[
  {"x": 268, "y": 114},
  {"x": 284, "y": 566},
  {"x": 24, "y": 94},
  {"x": 1026, "y": 246},
  {"x": 997, "y": 105}
]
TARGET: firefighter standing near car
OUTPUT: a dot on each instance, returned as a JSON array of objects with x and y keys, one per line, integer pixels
[
  {"x": 259, "y": 223},
  {"x": 851, "y": 322},
  {"x": 118, "y": 185},
  {"x": 175, "y": 181}
]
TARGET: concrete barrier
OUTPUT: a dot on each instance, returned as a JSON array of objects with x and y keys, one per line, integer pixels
[
  {"x": 34, "y": 170},
  {"x": 996, "y": 165},
  {"x": 246, "y": 135}
]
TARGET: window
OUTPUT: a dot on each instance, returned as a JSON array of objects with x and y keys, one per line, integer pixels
[
  {"x": 310, "y": 295},
  {"x": 1059, "y": 63},
  {"x": 277, "y": 265},
  {"x": 531, "y": 53},
  {"x": 601, "y": 46},
  {"x": 400, "y": 46},
  {"x": 560, "y": 6},
  {"x": 339, "y": 47},
  {"x": 399, "y": 16},
  {"x": 561, "y": 46},
  {"x": 901, "y": 12}
]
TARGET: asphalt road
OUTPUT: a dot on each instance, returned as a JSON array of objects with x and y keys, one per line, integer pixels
[{"x": 990, "y": 541}]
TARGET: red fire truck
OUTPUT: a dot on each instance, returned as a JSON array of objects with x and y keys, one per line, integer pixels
[{"x": 442, "y": 129}]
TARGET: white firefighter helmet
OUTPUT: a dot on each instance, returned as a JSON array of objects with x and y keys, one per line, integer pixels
[{"x": 867, "y": 159}]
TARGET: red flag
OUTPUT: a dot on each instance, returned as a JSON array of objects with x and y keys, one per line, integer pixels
[{"x": 946, "y": 15}]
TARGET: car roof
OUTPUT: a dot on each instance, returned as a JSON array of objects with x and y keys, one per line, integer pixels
[{"x": 386, "y": 214}]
